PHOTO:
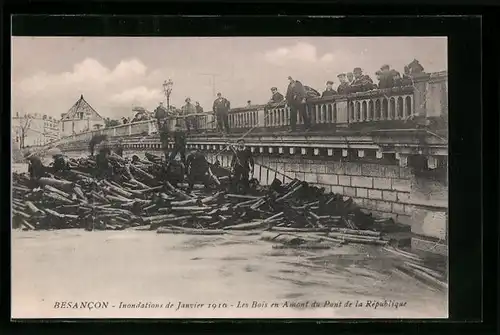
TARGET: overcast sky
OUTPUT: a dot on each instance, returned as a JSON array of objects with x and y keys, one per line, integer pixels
[{"x": 116, "y": 73}]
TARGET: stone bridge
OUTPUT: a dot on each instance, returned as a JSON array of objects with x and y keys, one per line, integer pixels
[{"x": 387, "y": 149}]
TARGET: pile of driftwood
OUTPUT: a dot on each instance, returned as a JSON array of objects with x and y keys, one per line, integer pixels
[{"x": 142, "y": 193}]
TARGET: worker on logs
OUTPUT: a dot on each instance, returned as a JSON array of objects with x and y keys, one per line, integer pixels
[
  {"x": 179, "y": 144},
  {"x": 118, "y": 149},
  {"x": 197, "y": 169},
  {"x": 104, "y": 169},
  {"x": 60, "y": 163},
  {"x": 242, "y": 165},
  {"x": 36, "y": 169}
]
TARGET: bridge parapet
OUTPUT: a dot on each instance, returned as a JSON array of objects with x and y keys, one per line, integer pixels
[{"x": 377, "y": 109}]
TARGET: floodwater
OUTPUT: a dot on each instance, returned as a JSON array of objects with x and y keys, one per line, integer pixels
[{"x": 218, "y": 273}]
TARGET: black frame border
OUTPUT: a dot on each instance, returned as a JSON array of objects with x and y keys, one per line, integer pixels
[{"x": 468, "y": 138}]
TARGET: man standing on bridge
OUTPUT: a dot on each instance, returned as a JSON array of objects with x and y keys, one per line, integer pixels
[
  {"x": 188, "y": 111},
  {"x": 221, "y": 109},
  {"x": 343, "y": 88},
  {"x": 296, "y": 100},
  {"x": 329, "y": 90},
  {"x": 242, "y": 166}
]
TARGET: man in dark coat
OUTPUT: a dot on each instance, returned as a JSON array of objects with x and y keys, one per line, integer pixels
[
  {"x": 197, "y": 169},
  {"x": 361, "y": 83},
  {"x": 221, "y": 109},
  {"x": 199, "y": 109},
  {"x": 329, "y": 90},
  {"x": 60, "y": 163},
  {"x": 160, "y": 114},
  {"x": 276, "y": 96},
  {"x": 296, "y": 100},
  {"x": 386, "y": 79},
  {"x": 119, "y": 148},
  {"x": 350, "y": 78},
  {"x": 344, "y": 85},
  {"x": 179, "y": 144},
  {"x": 36, "y": 169},
  {"x": 242, "y": 165},
  {"x": 188, "y": 111},
  {"x": 104, "y": 168}
]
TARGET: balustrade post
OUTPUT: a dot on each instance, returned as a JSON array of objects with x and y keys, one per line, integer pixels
[
  {"x": 437, "y": 95},
  {"x": 261, "y": 118},
  {"x": 342, "y": 112},
  {"x": 420, "y": 82}
]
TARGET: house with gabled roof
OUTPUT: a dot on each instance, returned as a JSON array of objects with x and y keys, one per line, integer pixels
[{"x": 81, "y": 117}]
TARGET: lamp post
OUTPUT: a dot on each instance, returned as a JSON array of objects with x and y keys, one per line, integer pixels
[{"x": 167, "y": 89}]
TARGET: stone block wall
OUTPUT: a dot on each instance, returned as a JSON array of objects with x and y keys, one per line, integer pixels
[{"x": 383, "y": 189}]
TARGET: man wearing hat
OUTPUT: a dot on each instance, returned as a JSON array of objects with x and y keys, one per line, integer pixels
[
  {"x": 36, "y": 169},
  {"x": 386, "y": 77},
  {"x": 179, "y": 144},
  {"x": 221, "y": 108},
  {"x": 60, "y": 163},
  {"x": 188, "y": 111},
  {"x": 329, "y": 91},
  {"x": 344, "y": 85},
  {"x": 276, "y": 97},
  {"x": 361, "y": 83},
  {"x": 242, "y": 165},
  {"x": 104, "y": 168},
  {"x": 350, "y": 78},
  {"x": 296, "y": 100}
]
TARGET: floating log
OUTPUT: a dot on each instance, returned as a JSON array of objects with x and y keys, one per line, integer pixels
[
  {"x": 57, "y": 197},
  {"x": 190, "y": 231},
  {"x": 27, "y": 225},
  {"x": 54, "y": 213},
  {"x": 361, "y": 237},
  {"x": 308, "y": 246},
  {"x": 57, "y": 191},
  {"x": 20, "y": 188},
  {"x": 177, "y": 191},
  {"x": 21, "y": 214},
  {"x": 184, "y": 202},
  {"x": 33, "y": 209},
  {"x": 117, "y": 199},
  {"x": 240, "y": 196},
  {"x": 245, "y": 226},
  {"x": 430, "y": 272},
  {"x": 55, "y": 182},
  {"x": 188, "y": 208},
  {"x": 398, "y": 253},
  {"x": 421, "y": 275},
  {"x": 290, "y": 193},
  {"x": 118, "y": 190},
  {"x": 211, "y": 198},
  {"x": 274, "y": 217},
  {"x": 149, "y": 219},
  {"x": 355, "y": 231},
  {"x": 304, "y": 230}
]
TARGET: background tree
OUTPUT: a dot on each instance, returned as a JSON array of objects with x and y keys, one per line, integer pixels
[
  {"x": 111, "y": 123},
  {"x": 23, "y": 126}
]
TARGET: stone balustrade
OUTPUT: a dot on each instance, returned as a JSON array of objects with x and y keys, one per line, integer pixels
[{"x": 428, "y": 97}]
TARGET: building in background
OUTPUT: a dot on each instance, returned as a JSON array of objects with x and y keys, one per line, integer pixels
[
  {"x": 80, "y": 118},
  {"x": 33, "y": 130}
]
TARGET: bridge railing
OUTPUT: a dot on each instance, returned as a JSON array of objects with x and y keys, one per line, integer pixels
[{"x": 427, "y": 96}]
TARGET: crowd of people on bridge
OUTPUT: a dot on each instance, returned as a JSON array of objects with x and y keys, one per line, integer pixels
[{"x": 296, "y": 97}]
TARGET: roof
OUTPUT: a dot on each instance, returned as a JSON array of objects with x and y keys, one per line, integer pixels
[{"x": 82, "y": 106}]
